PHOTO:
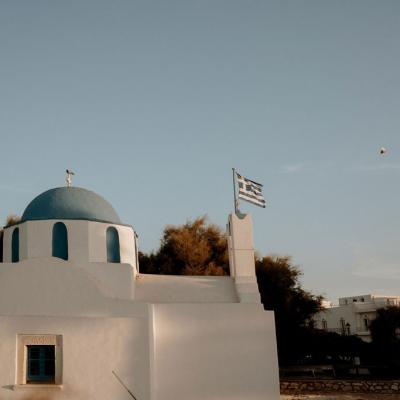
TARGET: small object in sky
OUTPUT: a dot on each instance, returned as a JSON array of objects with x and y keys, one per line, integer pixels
[
  {"x": 382, "y": 151},
  {"x": 68, "y": 179}
]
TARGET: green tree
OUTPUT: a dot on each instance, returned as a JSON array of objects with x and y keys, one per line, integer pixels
[
  {"x": 385, "y": 333},
  {"x": 385, "y": 328},
  {"x": 195, "y": 248},
  {"x": 12, "y": 220},
  {"x": 280, "y": 289}
]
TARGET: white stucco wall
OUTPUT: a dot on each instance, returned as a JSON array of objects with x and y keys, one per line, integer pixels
[
  {"x": 242, "y": 247},
  {"x": 350, "y": 314},
  {"x": 182, "y": 352},
  {"x": 97, "y": 243},
  {"x": 333, "y": 316},
  {"x": 180, "y": 289},
  {"x": 51, "y": 286},
  {"x": 241, "y": 258},
  {"x": 7, "y": 245},
  {"x": 167, "y": 337},
  {"x": 92, "y": 348},
  {"x": 213, "y": 352},
  {"x": 86, "y": 241},
  {"x": 23, "y": 242},
  {"x": 192, "y": 350}
]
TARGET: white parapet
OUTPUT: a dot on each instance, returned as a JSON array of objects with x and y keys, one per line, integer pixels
[
  {"x": 213, "y": 352},
  {"x": 241, "y": 257}
]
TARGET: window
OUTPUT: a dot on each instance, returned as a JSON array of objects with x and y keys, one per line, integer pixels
[
  {"x": 366, "y": 323},
  {"x": 324, "y": 324},
  {"x": 342, "y": 326},
  {"x": 113, "y": 252},
  {"x": 40, "y": 364},
  {"x": 60, "y": 241},
  {"x": 39, "y": 360},
  {"x": 15, "y": 245}
]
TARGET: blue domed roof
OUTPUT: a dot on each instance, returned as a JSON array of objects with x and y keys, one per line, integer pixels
[{"x": 70, "y": 203}]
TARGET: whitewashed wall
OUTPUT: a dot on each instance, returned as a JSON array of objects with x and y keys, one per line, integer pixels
[
  {"x": 51, "y": 286},
  {"x": 185, "y": 289},
  {"x": 241, "y": 258},
  {"x": 92, "y": 348},
  {"x": 86, "y": 241},
  {"x": 213, "y": 352},
  {"x": 97, "y": 243}
]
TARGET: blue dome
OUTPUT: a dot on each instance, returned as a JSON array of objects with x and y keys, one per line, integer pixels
[{"x": 70, "y": 203}]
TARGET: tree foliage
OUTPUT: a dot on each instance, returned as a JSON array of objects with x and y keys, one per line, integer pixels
[
  {"x": 280, "y": 289},
  {"x": 385, "y": 328},
  {"x": 12, "y": 220},
  {"x": 195, "y": 248},
  {"x": 385, "y": 333}
]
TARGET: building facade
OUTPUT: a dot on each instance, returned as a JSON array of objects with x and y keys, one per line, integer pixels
[
  {"x": 79, "y": 321},
  {"x": 353, "y": 315}
]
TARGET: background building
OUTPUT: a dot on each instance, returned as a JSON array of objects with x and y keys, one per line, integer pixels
[{"x": 353, "y": 314}]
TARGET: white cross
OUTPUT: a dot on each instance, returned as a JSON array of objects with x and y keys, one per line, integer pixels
[{"x": 68, "y": 178}]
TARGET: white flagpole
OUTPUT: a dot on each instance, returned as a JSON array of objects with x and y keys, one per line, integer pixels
[{"x": 235, "y": 199}]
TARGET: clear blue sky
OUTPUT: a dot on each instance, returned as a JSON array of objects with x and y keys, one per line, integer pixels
[{"x": 153, "y": 102}]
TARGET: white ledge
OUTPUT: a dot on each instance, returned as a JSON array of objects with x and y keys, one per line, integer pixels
[{"x": 38, "y": 386}]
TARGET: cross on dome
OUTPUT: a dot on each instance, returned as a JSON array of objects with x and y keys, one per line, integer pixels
[{"x": 68, "y": 178}]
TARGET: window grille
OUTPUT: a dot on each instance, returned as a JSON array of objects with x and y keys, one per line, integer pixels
[{"x": 41, "y": 364}]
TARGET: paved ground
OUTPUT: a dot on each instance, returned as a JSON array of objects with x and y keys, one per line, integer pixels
[{"x": 360, "y": 396}]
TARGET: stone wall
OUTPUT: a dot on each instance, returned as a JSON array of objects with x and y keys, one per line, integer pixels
[{"x": 339, "y": 386}]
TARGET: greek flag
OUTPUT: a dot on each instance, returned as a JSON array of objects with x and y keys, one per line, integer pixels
[{"x": 250, "y": 191}]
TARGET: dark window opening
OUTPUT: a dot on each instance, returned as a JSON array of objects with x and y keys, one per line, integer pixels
[
  {"x": 1, "y": 245},
  {"x": 41, "y": 364},
  {"x": 342, "y": 326},
  {"x": 15, "y": 245},
  {"x": 60, "y": 241},
  {"x": 113, "y": 252}
]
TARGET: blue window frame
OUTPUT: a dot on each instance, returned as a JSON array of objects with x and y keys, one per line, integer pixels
[
  {"x": 60, "y": 241},
  {"x": 113, "y": 251},
  {"x": 15, "y": 245},
  {"x": 41, "y": 364}
]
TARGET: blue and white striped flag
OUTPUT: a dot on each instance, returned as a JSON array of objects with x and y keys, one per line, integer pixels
[{"x": 250, "y": 191}]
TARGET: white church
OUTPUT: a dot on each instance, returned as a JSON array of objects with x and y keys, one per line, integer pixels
[{"x": 79, "y": 321}]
